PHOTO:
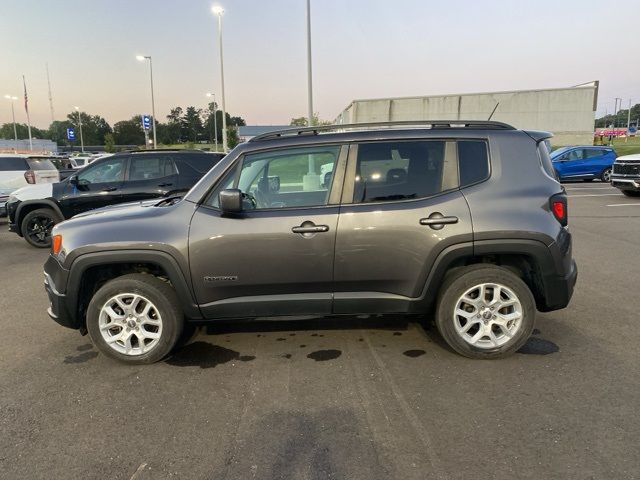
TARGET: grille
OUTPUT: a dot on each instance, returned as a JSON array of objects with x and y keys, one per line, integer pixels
[{"x": 626, "y": 169}]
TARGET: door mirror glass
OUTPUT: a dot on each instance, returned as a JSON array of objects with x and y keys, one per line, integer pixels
[
  {"x": 73, "y": 180},
  {"x": 230, "y": 200}
]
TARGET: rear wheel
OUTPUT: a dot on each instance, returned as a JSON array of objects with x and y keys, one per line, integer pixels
[
  {"x": 135, "y": 318},
  {"x": 631, "y": 193},
  {"x": 606, "y": 175},
  {"x": 37, "y": 225},
  {"x": 485, "y": 312}
]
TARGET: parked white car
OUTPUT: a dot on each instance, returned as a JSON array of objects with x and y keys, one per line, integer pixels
[{"x": 17, "y": 171}]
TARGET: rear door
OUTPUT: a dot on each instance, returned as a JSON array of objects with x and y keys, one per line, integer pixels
[
  {"x": 401, "y": 208},
  {"x": 277, "y": 256},
  {"x": 95, "y": 186},
  {"x": 149, "y": 175}
]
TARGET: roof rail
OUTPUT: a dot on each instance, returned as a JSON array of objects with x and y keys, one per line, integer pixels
[
  {"x": 160, "y": 150},
  {"x": 431, "y": 124}
]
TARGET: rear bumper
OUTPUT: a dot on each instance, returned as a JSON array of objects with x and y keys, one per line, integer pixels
[{"x": 558, "y": 289}]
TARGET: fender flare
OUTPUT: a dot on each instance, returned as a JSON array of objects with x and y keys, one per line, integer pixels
[
  {"x": 39, "y": 203},
  {"x": 162, "y": 259},
  {"x": 534, "y": 249}
]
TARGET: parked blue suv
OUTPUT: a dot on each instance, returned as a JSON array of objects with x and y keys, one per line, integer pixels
[{"x": 583, "y": 163}]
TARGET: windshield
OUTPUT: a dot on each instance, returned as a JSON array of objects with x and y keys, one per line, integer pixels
[{"x": 40, "y": 164}]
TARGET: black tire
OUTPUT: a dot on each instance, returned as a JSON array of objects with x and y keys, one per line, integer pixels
[
  {"x": 466, "y": 278},
  {"x": 163, "y": 298},
  {"x": 36, "y": 226},
  {"x": 631, "y": 193},
  {"x": 605, "y": 176}
]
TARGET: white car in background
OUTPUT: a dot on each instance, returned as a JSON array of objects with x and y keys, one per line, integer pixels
[{"x": 17, "y": 171}]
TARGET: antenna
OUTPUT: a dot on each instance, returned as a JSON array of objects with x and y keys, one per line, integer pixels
[
  {"x": 50, "y": 97},
  {"x": 493, "y": 111}
]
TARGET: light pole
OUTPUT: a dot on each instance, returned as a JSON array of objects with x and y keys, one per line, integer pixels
[
  {"x": 13, "y": 116},
  {"x": 309, "y": 79},
  {"x": 80, "y": 123},
  {"x": 142, "y": 58},
  {"x": 217, "y": 10},
  {"x": 215, "y": 120}
]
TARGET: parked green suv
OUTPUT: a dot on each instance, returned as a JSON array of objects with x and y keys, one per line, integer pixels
[{"x": 464, "y": 221}]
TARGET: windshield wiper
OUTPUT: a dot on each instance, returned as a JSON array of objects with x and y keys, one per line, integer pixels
[{"x": 169, "y": 201}]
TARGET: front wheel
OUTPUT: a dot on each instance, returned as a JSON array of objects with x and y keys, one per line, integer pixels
[
  {"x": 485, "y": 311},
  {"x": 135, "y": 318},
  {"x": 37, "y": 225},
  {"x": 606, "y": 175}
]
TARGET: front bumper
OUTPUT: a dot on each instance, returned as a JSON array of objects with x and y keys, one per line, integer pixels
[
  {"x": 59, "y": 308},
  {"x": 626, "y": 182}
]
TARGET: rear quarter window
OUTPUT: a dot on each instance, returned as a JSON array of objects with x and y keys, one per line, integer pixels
[
  {"x": 545, "y": 160},
  {"x": 473, "y": 161},
  {"x": 12, "y": 164},
  {"x": 200, "y": 162},
  {"x": 40, "y": 164}
]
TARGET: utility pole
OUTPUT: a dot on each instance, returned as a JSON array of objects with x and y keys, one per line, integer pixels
[{"x": 309, "y": 76}]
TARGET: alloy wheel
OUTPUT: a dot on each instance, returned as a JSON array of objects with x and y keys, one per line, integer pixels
[
  {"x": 130, "y": 324},
  {"x": 488, "y": 315}
]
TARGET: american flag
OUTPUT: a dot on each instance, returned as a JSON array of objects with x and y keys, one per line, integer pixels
[{"x": 26, "y": 99}]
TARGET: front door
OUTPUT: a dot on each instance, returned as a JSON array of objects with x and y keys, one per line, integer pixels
[
  {"x": 95, "y": 186},
  {"x": 276, "y": 257},
  {"x": 401, "y": 208}
]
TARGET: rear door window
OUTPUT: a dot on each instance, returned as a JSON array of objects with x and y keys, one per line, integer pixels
[
  {"x": 473, "y": 161},
  {"x": 40, "y": 164},
  {"x": 12, "y": 164},
  {"x": 391, "y": 171},
  {"x": 150, "y": 167}
]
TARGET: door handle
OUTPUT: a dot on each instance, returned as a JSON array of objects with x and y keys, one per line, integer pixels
[
  {"x": 109, "y": 189},
  {"x": 165, "y": 184},
  {"x": 310, "y": 228},
  {"x": 437, "y": 221}
]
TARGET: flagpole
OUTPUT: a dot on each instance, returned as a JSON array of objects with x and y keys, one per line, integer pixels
[{"x": 26, "y": 108}]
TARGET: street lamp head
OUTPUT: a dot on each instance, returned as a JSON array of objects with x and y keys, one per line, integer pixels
[
  {"x": 209, "y": 94},
  {"x": 217, "y": 9},
  {"x": 142, "y": 58},
  {"x": 76, "y": 107}
]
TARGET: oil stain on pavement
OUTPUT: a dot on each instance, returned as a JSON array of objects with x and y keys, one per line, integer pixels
[
  {"x": 80, "y": 358},
  {"x": 324, "y": 355},
  {"x": 413, "y": 353},
  {"x": 205, "y": 355},
  {"x": 538, "y": 346}
]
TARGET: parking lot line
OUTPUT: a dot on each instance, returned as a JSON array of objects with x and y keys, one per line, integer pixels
[
  {"x": 624, "y": 205},
  {"x": 598, "y": 195}
]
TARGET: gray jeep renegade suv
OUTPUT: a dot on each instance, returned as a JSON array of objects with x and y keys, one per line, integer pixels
[{"x": 464, "y": 221}]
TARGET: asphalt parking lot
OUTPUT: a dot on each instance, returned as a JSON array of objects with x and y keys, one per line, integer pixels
[{"x": 343, "y": 399}]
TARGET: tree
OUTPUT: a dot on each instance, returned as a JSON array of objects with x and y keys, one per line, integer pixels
[
  {"x": 303, "y": 121},
  {"x": 232, "y": 137},
  {"x": 620, "y": 118},
  {"x": 109, "y": 143},
  {"x": 6, "y": 131},
  {"x": 94, "y": 127},
  {"x": 192, "y": 124},
  {"x": 129, "y": 132}
]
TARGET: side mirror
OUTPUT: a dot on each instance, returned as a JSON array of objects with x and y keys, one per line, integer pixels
[
  {"x": 73, "y": 180},
  {"x": 230, "y": 200},
  {"x": 274, "y": 183}
]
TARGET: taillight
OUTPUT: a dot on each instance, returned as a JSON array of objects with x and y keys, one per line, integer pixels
[
  {"x": 30, "y": 177},
  {"x": 56, "y": 244},
  {"x": 558, "y": 204}
]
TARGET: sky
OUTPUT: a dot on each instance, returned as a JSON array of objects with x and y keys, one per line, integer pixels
[{"x": 361, "y": 49}]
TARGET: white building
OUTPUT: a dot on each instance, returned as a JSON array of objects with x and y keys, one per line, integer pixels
[{"x": 569, "y": 113}]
